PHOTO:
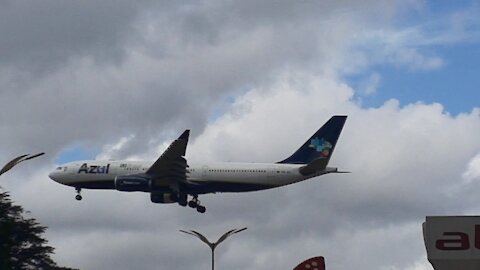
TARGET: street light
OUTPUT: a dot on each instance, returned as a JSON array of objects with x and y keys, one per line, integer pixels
[
  {"x": 17, "y": 160},
  {"x": 213, "y": 245}
]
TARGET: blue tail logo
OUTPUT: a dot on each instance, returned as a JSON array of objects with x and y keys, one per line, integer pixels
[{"x": 321, "y": 145}]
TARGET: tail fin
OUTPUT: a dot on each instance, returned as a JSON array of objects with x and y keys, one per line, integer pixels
[{"x": 321, "y": 144}]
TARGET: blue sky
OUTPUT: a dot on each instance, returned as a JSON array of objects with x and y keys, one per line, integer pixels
[
  {"x": 455, "y": 84},
  {"x": 78, "y": 152}
]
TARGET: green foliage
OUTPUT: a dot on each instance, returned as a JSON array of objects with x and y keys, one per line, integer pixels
[{"x": 21, "y": 243}]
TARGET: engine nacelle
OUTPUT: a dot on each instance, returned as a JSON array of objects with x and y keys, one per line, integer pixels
[
  {"x": 163, "y": 197},
  {"x": 132, "y": 183}
]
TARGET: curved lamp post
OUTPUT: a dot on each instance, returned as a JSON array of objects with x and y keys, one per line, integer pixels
[
  {"x": 17, "y": 160},
  {"x": 213, "y": 245}
]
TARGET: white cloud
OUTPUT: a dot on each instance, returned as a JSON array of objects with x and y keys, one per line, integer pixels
[
  {"x": 473, "y": 169},
  {"x": 421, "y": 265},
  {"x": 277, "y": 113},
  {"x": 403, "y": 159},
  {"x": 395, "y": 47},
  {"x": 413, "y": 59},
  {"x": 412, "y": 46},
  {"x": 111, "y": 151},
  {"x": 371, "y": 84}
]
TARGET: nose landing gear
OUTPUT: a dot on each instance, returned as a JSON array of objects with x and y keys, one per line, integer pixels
[{"x": 78, "y": 197}]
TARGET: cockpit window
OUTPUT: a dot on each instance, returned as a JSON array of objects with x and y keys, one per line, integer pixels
[{"x": 64, "y": 168}]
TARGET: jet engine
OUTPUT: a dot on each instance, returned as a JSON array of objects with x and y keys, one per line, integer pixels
[
  {"x": 163, "y": 197},
  {"x": 132, "y": 183}
]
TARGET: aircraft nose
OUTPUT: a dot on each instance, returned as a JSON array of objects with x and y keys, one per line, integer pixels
[{"x": 54, "y": 176}]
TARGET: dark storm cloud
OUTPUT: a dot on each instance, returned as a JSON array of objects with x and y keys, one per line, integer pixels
[
  {"x": 87, "y": 72},
  {"x": 40, "y": 36}
]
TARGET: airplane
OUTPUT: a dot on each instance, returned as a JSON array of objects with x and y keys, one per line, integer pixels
[{"x": 170, "y": 179}]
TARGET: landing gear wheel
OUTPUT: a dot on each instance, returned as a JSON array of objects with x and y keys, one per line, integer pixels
[
  {"x": 78, "y": 197},
  {"x": 201, "y": 209},
  {"x": 193, "y": 204}
]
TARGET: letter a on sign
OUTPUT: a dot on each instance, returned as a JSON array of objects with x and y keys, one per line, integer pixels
[{"x": 460, "y": 242}]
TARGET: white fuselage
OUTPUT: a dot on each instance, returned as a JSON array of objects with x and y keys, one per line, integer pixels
[{"x": 219, "y": 177}]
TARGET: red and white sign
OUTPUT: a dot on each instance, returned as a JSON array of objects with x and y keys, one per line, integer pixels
[
  {"x": 453, "y": 242},
  {"x": 315, "y": 263}
]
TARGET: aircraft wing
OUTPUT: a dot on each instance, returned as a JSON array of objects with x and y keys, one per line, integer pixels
[{"x": 171, "y": 164}]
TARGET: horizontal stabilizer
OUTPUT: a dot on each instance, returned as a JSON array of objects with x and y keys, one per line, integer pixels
[{"x": 316, "y": 165}]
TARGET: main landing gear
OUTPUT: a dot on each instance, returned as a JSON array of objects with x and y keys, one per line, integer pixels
[
  {"x": 182, "y": 199},
  {"x": 195, "y": 203},
  {"x": 78, "y": 197}
]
